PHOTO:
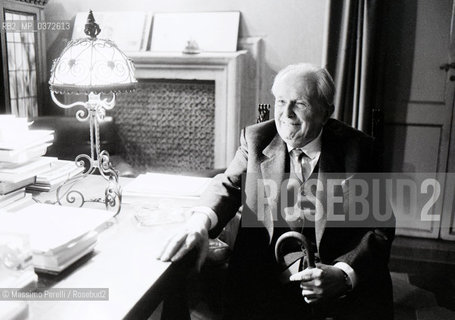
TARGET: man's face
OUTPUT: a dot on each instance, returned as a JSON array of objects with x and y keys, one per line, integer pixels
[{"x": 299, "y": 115}]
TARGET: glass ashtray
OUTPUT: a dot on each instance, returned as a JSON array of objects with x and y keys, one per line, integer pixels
[{"x": 159, "y": 214}]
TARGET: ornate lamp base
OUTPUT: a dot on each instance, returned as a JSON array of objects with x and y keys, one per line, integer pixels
[
  {"x": 68, "y": 194},
  {"x": 97, "y": 161}
]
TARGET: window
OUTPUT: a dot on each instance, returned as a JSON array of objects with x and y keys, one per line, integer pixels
[
  {"x": 21, "y": 49},
  {"x": 23, "y": 59}
]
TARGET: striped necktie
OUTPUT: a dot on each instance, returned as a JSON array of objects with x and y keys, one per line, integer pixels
[{"x": 304, "y": 163}]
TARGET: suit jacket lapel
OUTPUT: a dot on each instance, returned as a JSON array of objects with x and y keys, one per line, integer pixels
[{"x": 273, "y": 167}]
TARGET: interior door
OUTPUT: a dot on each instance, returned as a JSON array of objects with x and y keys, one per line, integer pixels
[
  {"x": 418, "y": 97},
  {"x": 448, "y": 215}
]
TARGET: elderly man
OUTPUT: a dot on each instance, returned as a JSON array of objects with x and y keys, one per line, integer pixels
[{"x": 351, "y": 278}]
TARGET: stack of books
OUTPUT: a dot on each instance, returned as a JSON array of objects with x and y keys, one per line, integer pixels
[
  {"x": 58, "y": 235},
  {"x": 14, "y": 177},
  {"x": 55, "y": 175},
  {"x": 23, "y": 166},
  {"x": 21, "y": 152}
]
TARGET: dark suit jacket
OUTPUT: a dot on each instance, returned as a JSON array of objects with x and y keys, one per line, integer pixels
[{"x": 263, "y": 155}]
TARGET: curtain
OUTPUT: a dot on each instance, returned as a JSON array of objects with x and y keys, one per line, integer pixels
[{"x": 353, "y": 57}]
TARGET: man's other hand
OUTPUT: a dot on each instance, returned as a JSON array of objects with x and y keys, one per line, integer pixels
[
  {"x": 193, "y": 235},
  {"x": 324, "y": 281}
]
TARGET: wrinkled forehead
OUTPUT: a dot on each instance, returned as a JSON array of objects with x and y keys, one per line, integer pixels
[{"x": 295, "y": 85}]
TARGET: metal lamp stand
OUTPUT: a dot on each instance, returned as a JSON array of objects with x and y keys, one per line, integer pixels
[{"x": 94, "y": 112}]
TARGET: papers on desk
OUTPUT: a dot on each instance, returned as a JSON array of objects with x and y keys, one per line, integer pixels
[
  {"x": 27, "y": 140},
  {"x": 12, "y": 172},
  {"x": 165, "y": 186},
  {"x": 58, "y": 235},
  {"x": 24, "y": 155},
  {"x": 163, "y": 198}
]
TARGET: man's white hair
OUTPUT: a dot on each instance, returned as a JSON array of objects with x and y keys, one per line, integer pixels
[{"x": 322, "y": 78}]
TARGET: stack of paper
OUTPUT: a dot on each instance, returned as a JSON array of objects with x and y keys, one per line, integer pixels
[
  {"x": 160, "y": 185},
  {"x": 54, "y": 176},
  {"x": 58, "y": 235},
  {"x": 14, "y": 172}
]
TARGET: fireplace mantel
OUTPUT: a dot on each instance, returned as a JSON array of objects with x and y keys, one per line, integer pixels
[
  {"x": 235, "y": 105},
  {"x": 172, "y": 58}
]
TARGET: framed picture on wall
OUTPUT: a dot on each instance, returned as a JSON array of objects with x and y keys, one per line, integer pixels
[
  {"x": 130, "y": 30},
  {"x": 208, "y": 31}
]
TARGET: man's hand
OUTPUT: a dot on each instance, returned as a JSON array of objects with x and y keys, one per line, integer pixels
[
  {"x": 322, "y": 282},
  {"x": 193, "y": 235}
]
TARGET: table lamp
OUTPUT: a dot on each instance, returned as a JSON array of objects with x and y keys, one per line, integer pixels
[{"x": 91, "y": 67}]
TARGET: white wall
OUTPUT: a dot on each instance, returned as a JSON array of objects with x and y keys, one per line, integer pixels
[{"x": 292, "y": 29}]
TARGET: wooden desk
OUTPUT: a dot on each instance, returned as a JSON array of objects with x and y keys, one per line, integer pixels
[{"x": 123, "y": 261}]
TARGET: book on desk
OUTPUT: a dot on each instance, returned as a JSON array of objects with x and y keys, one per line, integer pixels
[{"x": 58, "y": 235}]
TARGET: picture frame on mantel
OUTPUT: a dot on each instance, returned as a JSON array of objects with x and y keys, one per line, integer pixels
[{"x": 202, "y": 31}]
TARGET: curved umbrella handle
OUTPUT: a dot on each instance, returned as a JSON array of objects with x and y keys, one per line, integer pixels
[{"x": 304, "y": 244}]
